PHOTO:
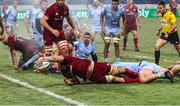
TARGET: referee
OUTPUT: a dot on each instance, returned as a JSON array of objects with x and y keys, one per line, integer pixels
[{"x": 167, "y": 31}]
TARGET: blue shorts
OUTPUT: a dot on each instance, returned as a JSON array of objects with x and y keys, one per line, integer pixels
[
  {"x": 137, "y": 67},
  {"x": 38, "y": 40},
  {"x": 130, "y": 65},
  {"x": 148, "y": 65}
]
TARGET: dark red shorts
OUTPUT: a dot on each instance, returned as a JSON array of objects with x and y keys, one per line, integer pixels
[
  {"x": 99, "y": 73},
  {"x": 131, "y": 27},
  {"x": 49, "y": 38}
]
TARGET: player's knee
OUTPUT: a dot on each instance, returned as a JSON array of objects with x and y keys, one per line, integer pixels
[
  {"x": 157, "y": 47},
  {"x": 110, "y": 78},
  {"x": 116, "y": 41},
  {"x": 135, "y": 36},
  {"x": 107, "y": 40}
]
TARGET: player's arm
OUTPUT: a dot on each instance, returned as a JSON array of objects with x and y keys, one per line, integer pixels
[
  {"x": 173, "y": 22},
  {"x": 26, "y": 21},
  {"x": 138, "y": 20},
  {"x": 49, "y": 58},
  {"x": 94, "y": 57},
  {"x": 158, "y": 31},
  {"x": 102, "y": 22},
  {"x": 13, "y": 57},
  {"x": 44, "y": 23},
  {"x": 71, "y": 22}
]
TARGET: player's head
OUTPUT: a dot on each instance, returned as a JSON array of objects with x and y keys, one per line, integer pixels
[
  {"x": 35, "y": 2},
  {"x": 87, "y": 38},
  {"x": 44, "y": 4},
  {"x": 15, "y": 3},
  {"x": 129, "y": 2},
  {"x": 161, "y": 6},
  {"x": 95, "y": 3},
  {"x": 115, "y": 4},
  {"x": 60, "y": 2},
  {"x": 66, "y": 28}
]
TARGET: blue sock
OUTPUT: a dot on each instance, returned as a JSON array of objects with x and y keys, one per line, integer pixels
[
  {"x": 31, "y": 60},
  {"x": 162, "y": 75}
]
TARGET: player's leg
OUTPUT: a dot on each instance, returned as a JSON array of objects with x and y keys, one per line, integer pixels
[
  {"x": 146, "y": 75},
  {"x": 125, "y": 71},
  {"x": 117, "y": 79},
  {"x": 125, "y": 38},
  {"x": 135, "y": 35},
  {"x": 107, "y": 42},
  {"x": 93, "y": 36},
  {"x": 174, "y": 39},
  {"x": 177, "y": 47},
  {"x": 116, "y": 41},
  {"x": 159, "y": 43}
]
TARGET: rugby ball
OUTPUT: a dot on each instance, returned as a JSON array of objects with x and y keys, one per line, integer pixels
[{"x": 45, "y": 65}]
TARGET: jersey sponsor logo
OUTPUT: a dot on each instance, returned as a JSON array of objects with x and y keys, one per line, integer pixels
[{"x": 163, "y": 22}]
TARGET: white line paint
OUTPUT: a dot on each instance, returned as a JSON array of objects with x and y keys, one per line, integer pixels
[{"x": 41, "y": 90}]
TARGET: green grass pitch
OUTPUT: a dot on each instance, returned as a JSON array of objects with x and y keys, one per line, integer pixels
[{"x": 159, "y": 92}]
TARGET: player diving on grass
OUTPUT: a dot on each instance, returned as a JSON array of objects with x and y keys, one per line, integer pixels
[{"x": 97, "y": 72}]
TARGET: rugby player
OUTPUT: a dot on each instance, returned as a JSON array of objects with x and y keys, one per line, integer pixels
[
  {"x": 167, "y": 31},
  {"x": 24, "y": 46},
  {"x": 89, "y": 70},
  {"x": 110, "y": 27},
  {"x": 52, "y": 22},
  {"x": 84, "y": 48},
  {"x": 173, "y": 6},
  {"x": 37, "y": 30},
  {"x": 10, "y": 18},
  {"x": 95, "y": 13},
  {"x": 131, "y": 21}
]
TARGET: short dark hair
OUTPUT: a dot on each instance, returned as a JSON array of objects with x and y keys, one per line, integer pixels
[
  {"x": 162, "y": 3},
  {"x": 87, "y": 33},
  {"x": 43, "y": 1},
  {"x": 115, "y": 1}
]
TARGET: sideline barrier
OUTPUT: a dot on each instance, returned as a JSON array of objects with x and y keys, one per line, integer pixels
[{"x": 83, "y": 14}]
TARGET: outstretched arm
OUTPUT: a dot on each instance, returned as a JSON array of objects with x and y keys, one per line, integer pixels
[{"x": 49, "y": 58}]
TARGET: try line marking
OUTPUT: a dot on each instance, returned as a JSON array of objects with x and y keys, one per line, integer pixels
[{"x": 41, "y": 90}]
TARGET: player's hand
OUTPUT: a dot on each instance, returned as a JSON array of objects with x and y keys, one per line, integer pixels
[
  {"x": 158, "y": 33},
  {"x": 39, "y": 61},
  {"x": 68, "y": 81},
  {"x": 77, "y": 33},
  {"x": 55, "y": 32},
  {"x": 177, "y": 62},
  {"x": 55, "y": 65}
]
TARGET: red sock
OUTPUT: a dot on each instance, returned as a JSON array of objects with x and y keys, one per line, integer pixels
[
  {"x": 136, "y": 42},
  {"x": 131, "y": 80},
  {"x": 131, "y": 73}
]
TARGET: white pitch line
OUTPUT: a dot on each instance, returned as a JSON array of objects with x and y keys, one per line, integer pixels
[{"x": 41, "y": 90}]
